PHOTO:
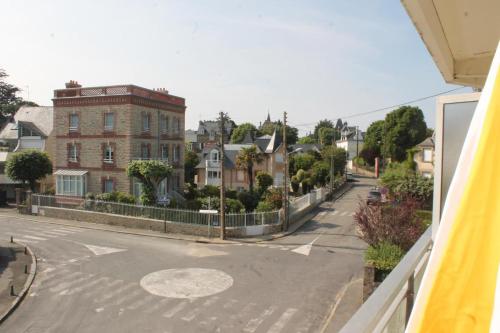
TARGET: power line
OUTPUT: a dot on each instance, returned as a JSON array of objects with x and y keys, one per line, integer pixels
[{"x": 386, "y": 108}]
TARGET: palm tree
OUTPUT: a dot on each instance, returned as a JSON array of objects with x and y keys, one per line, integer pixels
[{"x": 246, "y": 159}]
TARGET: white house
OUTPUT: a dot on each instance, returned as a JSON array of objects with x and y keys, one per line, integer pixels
[{"x": 351, "y": 140}]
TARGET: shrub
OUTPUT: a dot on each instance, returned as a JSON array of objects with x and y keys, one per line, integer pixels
[
  {"x": 113, "y": 197},
  {"x": 231, "y": 194},
  {"x": 234, "y": 206},
  {"x": 264, "y": 206},
  {"x": 193, "y": 204},
  {"x": 294, "y": 182},
  {"x": 264, "y": 180},
  {"x": 274, "y": 198},
  {"x": 210, "y": 191},
  {"x": 301, "y": 174},
  {"x": 191, "y": 192},
  {"x": 398, "y": 225},
  {"x": 384, "y": 255},
  {"x": 249, "y": 199},
  {"x": 320, "y": 172}
]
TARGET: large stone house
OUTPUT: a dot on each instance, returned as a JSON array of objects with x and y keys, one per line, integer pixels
[
  {"x": 208, "y": 170},
  {"x": 424, "y": 157},
  {"x": 351, "y": 140},
  {"x": 99, "y": 130},
  {"x": 30, "y": 128}
]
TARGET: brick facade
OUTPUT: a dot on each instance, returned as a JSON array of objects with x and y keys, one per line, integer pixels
[{"x": 126, "y": 137}]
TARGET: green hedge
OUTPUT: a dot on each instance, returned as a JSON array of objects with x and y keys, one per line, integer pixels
[{"x": 384, "y": 256}]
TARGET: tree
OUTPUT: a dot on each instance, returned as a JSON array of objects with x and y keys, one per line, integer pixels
[
  {"x": 303, "y": 161},
  {"x": 325, "y": 123},
  {"x": 326, "y": 135},
  {"x": 246, "y": 159},
  {"x": 320, "y": 172},
  {"x": 292, "y": 133},
  {"x": 339, "y": 158},
  {"x": 28, "y": 166},
  {"x": 9, "y": 102},
  {"x": 191, "y": 160},
  {"x": 403, "y": 128},
  {"x": 240, "y": 132},
  {"x": 375, "y": 133},
  {"x": 150, "y": 174},
  {"x": 309, "y": 139},
  {"x": 264, "y": 180}
]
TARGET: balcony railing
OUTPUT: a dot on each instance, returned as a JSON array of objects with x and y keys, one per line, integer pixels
[
  {"x": 214, "y": 164},
  {"x": 388, "y": 308}
]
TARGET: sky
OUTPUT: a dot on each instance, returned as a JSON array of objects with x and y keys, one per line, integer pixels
[{"x": 313, "y": 59}]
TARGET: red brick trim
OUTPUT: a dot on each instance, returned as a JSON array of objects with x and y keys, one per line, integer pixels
[
  {"x": 98, "y": 136},
  {"x": 89, "y": 168}
]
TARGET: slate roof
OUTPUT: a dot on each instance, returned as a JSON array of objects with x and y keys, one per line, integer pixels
[
  {"x": 213, "y": 126},
  {"x": 304, "y": 148},
  {"x": 428, "y": 142},
  {"x": 38, "y": 118}
]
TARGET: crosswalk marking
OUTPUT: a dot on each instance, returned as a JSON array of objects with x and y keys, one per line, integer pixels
[
  {"x": 173, "y": 311},
  {"x": 343, "y": 214},
  {"x": 108, "y": 285},
  {"x": 282, "y": 321},
  {"x": 112, "y": 294},
  {"x": 157, "y": 305},
  {"x": 192, "y": 314},
  {"x": 65, "y": 231},
  {"x": 51, "y": 281},
  {"x": 65, "y": 285},
  {"x": 83, "y": 287},
  {"x": 37, "y": 232},
  {"x": 56, "y": 233},
  {"x": 27, "y": 241},
  {"x": 335, "y": 212},
  {"x": 35, "y": 237},
  {"x": 253, "y": 324},
  {"x": 137, "y": 304},
  {"x": 128, "y": 297},
  {"x": 353, "y": 213}
]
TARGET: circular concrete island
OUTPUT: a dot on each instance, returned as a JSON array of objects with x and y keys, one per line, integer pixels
[{"x": 186, "y": 282}]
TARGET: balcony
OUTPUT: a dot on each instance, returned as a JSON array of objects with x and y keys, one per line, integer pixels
[{"x": 212, "y": 164}]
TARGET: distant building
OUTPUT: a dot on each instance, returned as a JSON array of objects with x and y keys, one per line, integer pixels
[
  {"x": 30, "y": 128},
  {"x": 305, "y": 148},
  {"x": 351, "y": 140},
  {"x": 99, "y": 130},
  {"x": 424, "y": 157},
  {"x": 208, "y": 170},
  {"x": 209, "y": 132}
]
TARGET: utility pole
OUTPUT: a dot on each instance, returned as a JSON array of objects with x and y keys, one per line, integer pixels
[
  {"x": 357, "y": 146},
  {"x": 332, "y": 169},
  {"x": 222, "y": 185},
  {"x": 285, "y": 187}
]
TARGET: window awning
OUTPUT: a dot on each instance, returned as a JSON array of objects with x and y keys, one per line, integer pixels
[{"x": 71, "y": 172}]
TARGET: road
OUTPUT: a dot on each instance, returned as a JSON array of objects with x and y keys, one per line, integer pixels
[{"x": 97, "y": 281}]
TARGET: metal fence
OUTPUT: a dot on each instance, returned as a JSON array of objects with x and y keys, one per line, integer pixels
[
  {"x": 160, "y": 213},
  {"x": 389, "y": 307}
]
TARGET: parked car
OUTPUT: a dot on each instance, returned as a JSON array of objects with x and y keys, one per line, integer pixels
[
  {"x": 349, "y": 176},
  {"x": 374, "y": 197}
]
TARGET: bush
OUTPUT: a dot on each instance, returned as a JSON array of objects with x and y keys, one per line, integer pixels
[
  {"x": 295, "y": 184},
  {"x": 398, "y": 225},
  {"x": 234, "y": 206},
  {"x": 191, "y": 192},
  {"x": 231, "y": 194},
  {"x": 402, "y": 182},
  {"x": 113, "y": 197},
  {"x": 210, "y": 191},
  {"x": 264, "y": 180},
  {"x": 320, "y": 173},
  {"x": 249, "y": 199},
  {"x": 193, "y": 204},
  {"x": 274, "y": 198},
  {"x": 264, "y": 206},
  {"x": 384, "y": 255}
]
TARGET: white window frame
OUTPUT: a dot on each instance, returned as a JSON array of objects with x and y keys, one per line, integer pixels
[
  {"x": 176, "y": 153},
  {"x": 109, "y": 127},
  {"x": 214, "y": 152},
  {"x": 72, "y": 127},
  {"x": 164, "y": 152},
  {"x": 164, "y": 124},
  {"x": 109, "y": 181},
  {"x": 240, "y": 175},
  {"x": 74, "y": 186},
  {"x": 73, "y": 153},
  {"x": 108, "y": 154},
  {"x": 146, "y": 126},
  {"x": 427, "y": 157}
]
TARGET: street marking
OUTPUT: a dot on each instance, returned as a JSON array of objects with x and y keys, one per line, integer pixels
[
  {"x": 343, "y": 214},
  {"x": 191, "y": 315},
  {"x": 35, "y": 238},
  {"x": 322, "y": 213},
  {"x": 186, "y": 282},
  {"x": 65, "y": 285},
  {"x": 83, "y": 287},
  {"x": 100, "y": 250},
  {"x": 282, "y": 321},
  {"x": 115, "y": 292},
  {"x": 253, "y": 324},
  {"x": 109, "y": 285},
  {"x": 66, "y": 232},
  {"x": 230, "y": 303},
  {"x": 99, "y": 310},
  {"x": 158, "y": 305},
  {"x": 306, "y": 249},
  {"x": 178, "y": 308},
  {"x": 47, "y": 232},
  {"x": 128, "y": 297},
  {"x": 51, "y": 281},
  {"x": 335, "y": 212},
  {"x": 27, "y": 241},
  {"x": 141, "y": 302}
]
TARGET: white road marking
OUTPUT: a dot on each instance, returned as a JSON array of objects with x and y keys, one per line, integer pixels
[
  {"x": 141, "y": 302},
  {"x": 27, "y": 241},
  {"x": 65, "y": 285},
  {"x": 100, "y": 288},
  {"x": 343, "y": 214},
  {"x": 128, "y": 297},
  {"x": 253, "y": 324},
  {"x": 112, "y": 294},
  {"x": 322, "y": 213},
  {"x": 47, "y": 232},
  {"x": 51, "y": 281},
  {"x": 186, "y": 282},
  {"x": 306, "y": 249},
  {"x": 83, "y": 287},
  {"x": 100, "y": 250},
  {"x": 335, "y": 212},
  {"x": 192, "y": 314},
  {"x": 173, "y": 311},
  {"x": 282, "y": 321},
  {"x": 99, "y": 310},
  {"x": 65, "y": 231},
  {"x": 158, "y": 305},
  {"x": 35, "y": 238},
  {"x": 230, "y": 303}
]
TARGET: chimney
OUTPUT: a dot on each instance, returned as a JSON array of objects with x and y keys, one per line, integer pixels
[
  {"x": 73, "y": 84},
  {"x": 161, "y": 90}
]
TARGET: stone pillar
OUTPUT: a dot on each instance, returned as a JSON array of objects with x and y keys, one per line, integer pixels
[
  {"x": 18, "y": 196},
  {"x": 29, "y": 202}
]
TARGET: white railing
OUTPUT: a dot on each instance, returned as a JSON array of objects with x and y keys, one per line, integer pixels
[{"x": 389, "y": 307}]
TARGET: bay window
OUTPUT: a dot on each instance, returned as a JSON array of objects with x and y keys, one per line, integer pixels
[{"x": 71, "y": 185}]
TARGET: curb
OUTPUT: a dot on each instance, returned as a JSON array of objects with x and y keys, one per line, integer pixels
[{"x": 27, "y": 285}]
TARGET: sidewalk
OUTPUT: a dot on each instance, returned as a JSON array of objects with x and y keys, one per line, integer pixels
[{"x": 13, "y": 262}]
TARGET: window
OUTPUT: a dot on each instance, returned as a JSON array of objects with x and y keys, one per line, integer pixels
[
  {"x": 162, "y": 188},
  {"x": 427, "y": 155},
  {"x": 74, "y": 122},
  {"x": 278, "y": 179},
  {"x": 137, "y": 188},
  {"x": 240, "y": 175},
  {"x": 72, "y": 153},
  {"x": 214, "y": 155},
  {"x": 213, "y": 174},
  {"x": 109, "y": 121},
  {"x": 145, "y": 122},
  {"x": 176, "y": 125},
  {"x": 145, "y": 151},
  {"x": 427, "y": 174},
  {"x": 164, "y": 152},
  {"x": 279, "y": 158},
  {"x": 176, "y": 153},
  {"x": 108, "y": 154},
  {"x": 70, "y": 185},
  {"x": 164, "y": 124},
  {"x": 109, "y": 185}
]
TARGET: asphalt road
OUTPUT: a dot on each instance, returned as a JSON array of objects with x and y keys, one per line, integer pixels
[{"x": 98, "y": 281}]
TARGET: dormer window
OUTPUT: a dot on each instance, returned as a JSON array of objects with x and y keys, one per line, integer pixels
[{"x": 214, "y": 155}]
